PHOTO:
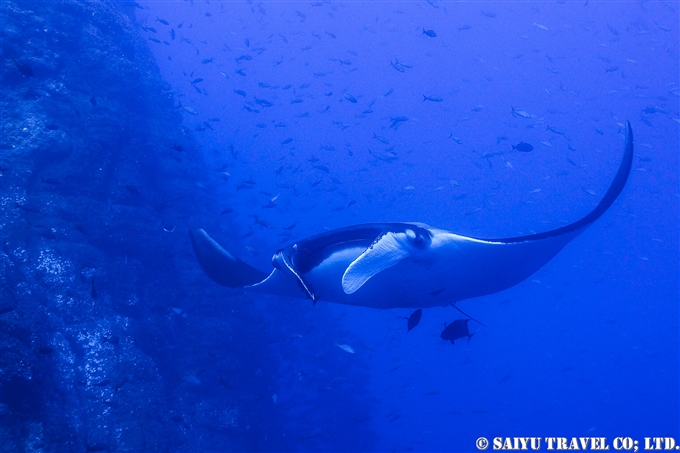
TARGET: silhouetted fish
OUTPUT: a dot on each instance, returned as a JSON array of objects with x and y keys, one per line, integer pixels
[
  {"x": 429, "y": 33},
  {"x": 24, "y": 69},
  {"x": 456, "y": 330},
  {"x": 350, "y": 98},
  {"x": 523, "y": 147},
  {"x": 42, "y": 231},
  {"x": 414, "y": 319}
]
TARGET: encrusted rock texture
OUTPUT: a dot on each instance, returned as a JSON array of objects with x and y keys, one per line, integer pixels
[{"x": 112, "y": 337}]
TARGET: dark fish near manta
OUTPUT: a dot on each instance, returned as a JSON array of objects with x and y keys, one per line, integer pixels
[
  {"x": 414, "y": 319},
  {"x": 390, "y": 265},
  {"x": 456, "y": 330}
]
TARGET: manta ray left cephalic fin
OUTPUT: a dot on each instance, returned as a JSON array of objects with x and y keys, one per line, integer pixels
[{"x": 385, "y": 252}]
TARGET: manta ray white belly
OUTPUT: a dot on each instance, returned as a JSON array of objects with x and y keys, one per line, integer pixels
[{"x": 387, "y": 265}]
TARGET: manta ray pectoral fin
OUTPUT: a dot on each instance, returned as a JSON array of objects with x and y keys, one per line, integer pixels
[
  {"x": 385, "y": 252},
  {"x": 221, "y": 266}
]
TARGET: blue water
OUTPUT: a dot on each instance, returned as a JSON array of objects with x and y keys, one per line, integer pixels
[{"x": 588, "y": 346}]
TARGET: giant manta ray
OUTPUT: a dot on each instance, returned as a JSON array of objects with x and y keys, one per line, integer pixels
[{"x": 409, "y": 265}]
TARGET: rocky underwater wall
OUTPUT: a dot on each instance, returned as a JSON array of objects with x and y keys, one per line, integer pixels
[{"x": 109, "y": 328}]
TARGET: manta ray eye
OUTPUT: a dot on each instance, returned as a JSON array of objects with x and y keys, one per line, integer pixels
[{"x": 416, "y": 237}]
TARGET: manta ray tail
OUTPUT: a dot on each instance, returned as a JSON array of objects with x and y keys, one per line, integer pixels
[
  {"x": 610, "y": 196},
  {"x": 221, "y": 266},
  {"x": 465, "y": 314}
]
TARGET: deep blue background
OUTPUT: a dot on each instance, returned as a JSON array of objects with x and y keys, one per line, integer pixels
[{"x": 586, "y": 347}]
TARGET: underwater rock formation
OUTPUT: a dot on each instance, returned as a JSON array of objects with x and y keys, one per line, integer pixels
[{"x": 100, "y": 182}]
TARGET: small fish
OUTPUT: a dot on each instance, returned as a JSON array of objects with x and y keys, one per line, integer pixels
[
  {"x": 162, "y": 21},
  {"x": 286, "y": 141},
  {"x": 429, "y": 33},
  {"x": 663, "y": 27},
  {"x": 414, "y": 319},
  {"x": 322, "y": 168},
  {"x": 263, "y": 102},
  {"x": 207, "y": 60},
  {"x": 612, "y": 69},
  {"x": 488, "y": 14},
  {"x": 350, "y": 98},
  {"x": 188, "y": 109},
  {"x": 23, "y": 68},
  {"x": 93, "y": 290},
  {"x": 456, "y": 139},
  {"x": 432, "y": 98},
  {"x": 262, "y": 222},
  {"x": 345, "y": 347},
  {"x": 43, "y": 231},
  {"x": 271, "y": 203},
  {"x": 589, "y": 191},
  {"x": 397, "y": 66},
  {"x": 381, "y": 139},
  {"x": 523, "y": 147},
  {"x": 542, "y": 27},
  {"x": 520, "y": 113},
  {"x": 240, "y": 93},
  {"x": 197, "y": 80},
  {"x": 556, "y": 131},
  {"x": 397, "y": 120},
  {"x": 464, "y": 27}
]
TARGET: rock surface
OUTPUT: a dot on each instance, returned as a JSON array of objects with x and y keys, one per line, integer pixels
[{"x": 108, "y": 326}]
